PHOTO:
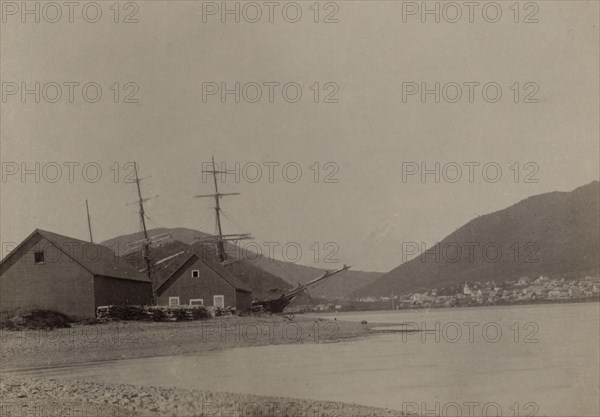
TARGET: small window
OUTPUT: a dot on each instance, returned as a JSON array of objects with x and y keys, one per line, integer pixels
[
  {"x": 173, "y": 301},
  {"x": 195, "y": 273},
  {"x": 196, "y": 302},
  {"x": 38, "y": 257},
  {"x": 219, "y": 301}
]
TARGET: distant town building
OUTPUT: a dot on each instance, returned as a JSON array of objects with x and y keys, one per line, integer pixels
[{"x": 523, "y": 290}]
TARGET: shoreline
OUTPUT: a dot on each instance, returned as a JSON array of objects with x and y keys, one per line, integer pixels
[
  {"x": 83, "y": 344},
  {"x": 441, "y": 307},
  {"x": 341, "y": 314},
  {"x": 82, "y": 388}
]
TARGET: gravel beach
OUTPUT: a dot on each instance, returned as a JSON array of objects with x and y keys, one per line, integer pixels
[
  {"x": 123, "y": 340},
  {"x": 128, "y": 339},
  {"x": 52, "y": 398}
]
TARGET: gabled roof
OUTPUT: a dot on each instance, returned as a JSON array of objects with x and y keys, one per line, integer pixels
[
  {"x": 96, "y": 259},
  {"x": 212, "y": 263}
]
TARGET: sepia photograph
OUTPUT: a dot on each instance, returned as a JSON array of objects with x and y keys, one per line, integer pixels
[{"x": 299, "y": 208}]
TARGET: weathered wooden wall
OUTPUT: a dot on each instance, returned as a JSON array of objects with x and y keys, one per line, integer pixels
[
  {"x": 209, "y": 284},
  {"x": 59, "y": 284},
  {"x": 244, "y": 300},
  {"x": 121, "y": 291}
]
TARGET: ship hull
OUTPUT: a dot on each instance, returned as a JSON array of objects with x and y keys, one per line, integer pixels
[{"x": 273, "y": 306}]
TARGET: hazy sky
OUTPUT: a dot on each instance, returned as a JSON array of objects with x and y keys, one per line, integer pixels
[{"x": 175, "y": 51}]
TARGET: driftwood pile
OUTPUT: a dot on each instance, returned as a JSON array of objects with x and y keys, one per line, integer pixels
[{"x": 151, "y": 313}]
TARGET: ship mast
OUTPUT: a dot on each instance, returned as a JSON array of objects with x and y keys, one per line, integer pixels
[
  {"x": 87, "y": 208},
  {"x": 146, "y": 243},
  {"x": 220, "y": 243},
  {"x": 220, "y": 238}
]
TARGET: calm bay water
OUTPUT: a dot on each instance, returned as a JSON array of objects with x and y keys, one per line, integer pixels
[{"x": 523, "y": 360}]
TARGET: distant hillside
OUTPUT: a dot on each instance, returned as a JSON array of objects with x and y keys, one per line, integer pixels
[
  {"x": 120, "y": 243},
  {"x": 338, "y": 286},
  {"x": 261, "y": 274},
  {"x": 553, "y": 234}
]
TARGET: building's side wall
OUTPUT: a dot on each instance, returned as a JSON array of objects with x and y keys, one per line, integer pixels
[
  {"x": 120, "y": 291},
  {"x": 208, "y": 285},
  {"x": 244, "y": 301},
  {"x": 59, "y": 284}
]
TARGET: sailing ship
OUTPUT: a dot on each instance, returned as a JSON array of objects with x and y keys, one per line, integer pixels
[
  {"x": 273, "y": 305},
  {"x": 277, "y": 305}
]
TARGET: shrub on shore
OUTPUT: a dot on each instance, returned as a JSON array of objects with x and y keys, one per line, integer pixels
[{"x": 35, "y": 319}]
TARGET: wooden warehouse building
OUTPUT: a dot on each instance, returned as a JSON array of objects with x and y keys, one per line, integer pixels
[
  {"x": 54, "y": 272},
  {"x": 197, "y": 279}
]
